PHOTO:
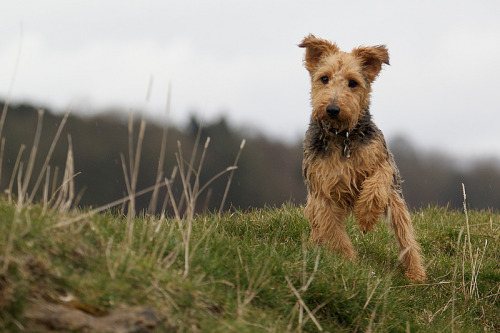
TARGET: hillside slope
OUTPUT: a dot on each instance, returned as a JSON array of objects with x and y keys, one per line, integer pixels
[{"x": 243, "y": 272}]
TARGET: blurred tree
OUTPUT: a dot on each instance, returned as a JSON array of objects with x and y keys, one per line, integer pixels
[
  {"x": 436, "y": 178},
  {"x": 269, "y": 171}
]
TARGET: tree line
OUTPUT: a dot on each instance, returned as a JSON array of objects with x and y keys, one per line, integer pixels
[{"x": 268, "y": 171}]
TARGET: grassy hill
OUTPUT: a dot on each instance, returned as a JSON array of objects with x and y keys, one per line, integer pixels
[
  {"x": 101, "y": 270},
  {"x": 248, "y": 271}
]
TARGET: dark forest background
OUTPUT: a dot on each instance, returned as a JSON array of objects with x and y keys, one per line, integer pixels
[{"x": 269, "y": 171}]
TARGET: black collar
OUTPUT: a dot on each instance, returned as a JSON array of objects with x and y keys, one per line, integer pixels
[{"x": 329, "y": 134}]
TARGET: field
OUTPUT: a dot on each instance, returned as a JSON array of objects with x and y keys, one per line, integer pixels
[
  {"x": 248, "y": 271},
  {"x": 110, "y": 269}
]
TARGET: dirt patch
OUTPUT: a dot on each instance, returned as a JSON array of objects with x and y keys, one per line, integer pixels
[{"x": 41, "y": 316}]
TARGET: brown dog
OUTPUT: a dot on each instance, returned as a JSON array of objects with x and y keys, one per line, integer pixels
[{"x": 347, "y": 165}]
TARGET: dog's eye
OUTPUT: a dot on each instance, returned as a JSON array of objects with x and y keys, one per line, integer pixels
[
  {"x": 352, "y": 84},
  {"x": 325, "y": 79}
]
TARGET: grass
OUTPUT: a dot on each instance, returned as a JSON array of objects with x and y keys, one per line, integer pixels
[
  {"x": 67, "y": 269},
  {"x": 252, "y": 271}
]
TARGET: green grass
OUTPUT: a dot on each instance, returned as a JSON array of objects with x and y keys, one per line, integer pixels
[{"x": 250, "y": 271}]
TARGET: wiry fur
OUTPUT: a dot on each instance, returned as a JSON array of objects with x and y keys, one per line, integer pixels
[{"x": 347, "y": 165}]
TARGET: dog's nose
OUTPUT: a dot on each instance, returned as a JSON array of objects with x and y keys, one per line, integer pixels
[{"x": 332, "y": 110}]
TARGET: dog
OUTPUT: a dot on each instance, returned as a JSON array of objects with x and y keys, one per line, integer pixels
[{"x": 347, "y": 166}]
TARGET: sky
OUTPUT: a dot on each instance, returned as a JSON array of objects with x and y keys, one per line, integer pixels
[{"x": 240, "y": 59}]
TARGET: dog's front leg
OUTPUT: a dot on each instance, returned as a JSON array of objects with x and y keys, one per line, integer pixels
[
  {"x": 326, "y": 218},
  {"x": 373, "y": 197}
]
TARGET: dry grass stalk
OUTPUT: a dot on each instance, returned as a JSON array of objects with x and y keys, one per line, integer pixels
[
  {"x": 131, "y": 175},
  {"x": 453, "y": 285},
  {"x": 303, "y": 305},
  {"x": 22, "y": 193},
  {"x": 180, "y": 163},
  {"x": 14, "y": 172},
  {"x": 48, "y": 157},
  {"x": 475, "y": 261},
  {"x": 103, "y": 208},
  {"x": 467, "y": 222},
  {"x": 168, "y": 184},
  {"x": 45, "y": 195},
  {"x": 242, "y": 145},
  {"x": 161, "y": 160},
  {"x": 306, "y": 282},
  {"x": 67, "y": 189},
  {"x": 257, "y": 280}
]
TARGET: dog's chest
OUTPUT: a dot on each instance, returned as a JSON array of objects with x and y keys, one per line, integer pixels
[{"x": 334, "y": 174}]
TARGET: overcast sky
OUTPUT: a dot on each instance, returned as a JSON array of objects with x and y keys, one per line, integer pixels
[{"x": 240, "y": 58}]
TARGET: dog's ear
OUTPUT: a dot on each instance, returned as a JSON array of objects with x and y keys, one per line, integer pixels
[
  {"x": 316, "y": 48},
  {"x": 372, "y": 59}
]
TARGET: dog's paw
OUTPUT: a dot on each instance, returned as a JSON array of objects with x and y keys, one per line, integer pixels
[
  {"x": 416, "y": 274},
  {"x": 366, "y": 227}
]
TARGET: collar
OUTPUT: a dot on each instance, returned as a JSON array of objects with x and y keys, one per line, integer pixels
[{"x": 329, "y": 134}]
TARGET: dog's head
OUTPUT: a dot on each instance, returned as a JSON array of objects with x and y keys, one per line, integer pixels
[{"x": 340, "y": 81}]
